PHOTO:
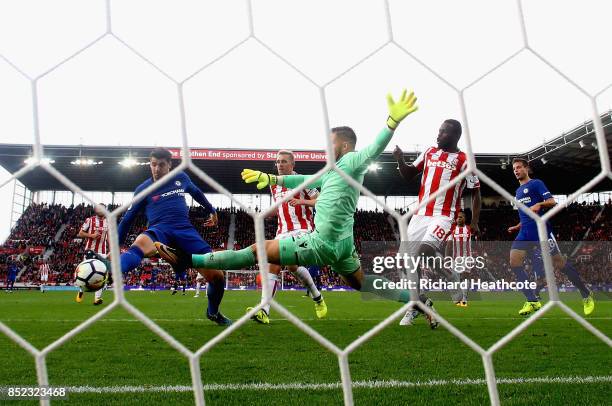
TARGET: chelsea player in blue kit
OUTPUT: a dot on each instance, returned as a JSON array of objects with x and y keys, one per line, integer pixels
[
  {"x": 168, "y": 222},
  {"x": 534, "y": 194}
]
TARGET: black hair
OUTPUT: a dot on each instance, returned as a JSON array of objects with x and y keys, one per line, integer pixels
[
  {"x": 161, "y": 153},
  {"x": 346, "y": 133},
  {"x": 467, "y": 212},
  {"x": 456, "y": 127}
]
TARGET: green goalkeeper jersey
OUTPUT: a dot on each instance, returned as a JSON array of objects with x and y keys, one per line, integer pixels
[{"x": 336, "y": 204}]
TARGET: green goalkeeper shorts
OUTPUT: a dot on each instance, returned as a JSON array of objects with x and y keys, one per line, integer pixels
[{"x": 312, "y": 249}]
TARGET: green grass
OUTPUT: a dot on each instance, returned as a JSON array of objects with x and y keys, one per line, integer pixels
[{"x": 119, "y": 351}]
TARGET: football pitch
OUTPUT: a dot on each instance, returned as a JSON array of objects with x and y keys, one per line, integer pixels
[{"x": 118, "y": 361}]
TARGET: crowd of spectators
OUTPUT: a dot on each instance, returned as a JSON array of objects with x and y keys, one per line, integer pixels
[
  {"x": 65, "y": 253},
  {"x": 372, "y": 226},
  {"x": 245, "y": 229},
  {"x": 40, "y": 223}
]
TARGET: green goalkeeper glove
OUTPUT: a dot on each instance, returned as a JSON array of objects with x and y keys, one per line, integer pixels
[
  {"x": 262, "y": 179},
  {"x": 398, "y": 111}
]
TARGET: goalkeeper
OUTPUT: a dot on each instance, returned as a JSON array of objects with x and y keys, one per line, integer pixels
[{"x": 332, "y": 241}]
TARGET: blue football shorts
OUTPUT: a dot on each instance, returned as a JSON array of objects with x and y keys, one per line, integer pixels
[
  {"x": 528, "y": 239},
  {"x": 183, "y": 236}
]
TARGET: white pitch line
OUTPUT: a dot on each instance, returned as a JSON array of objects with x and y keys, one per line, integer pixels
[{"x": 337, "y": 385}]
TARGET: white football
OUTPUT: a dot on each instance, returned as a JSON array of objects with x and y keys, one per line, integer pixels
[{"x": 91, "y": 275}]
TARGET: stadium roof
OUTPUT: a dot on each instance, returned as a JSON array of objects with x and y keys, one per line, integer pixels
[{"x": 566, "y": 163}]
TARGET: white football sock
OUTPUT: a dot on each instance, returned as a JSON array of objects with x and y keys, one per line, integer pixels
[
  {"x": 198, "y": 284},
  {"x": 272, "y": 284},
  {"x": 98, "y": 294},
  {"x": 304, "y": 277}
]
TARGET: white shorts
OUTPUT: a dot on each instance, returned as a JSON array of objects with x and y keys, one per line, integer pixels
[
  {"x": 44, "y": 278},
  {"x": 199, "y": 276},
  {"x": 292, "y": 233},
  {"x": 431, "y": 230}
]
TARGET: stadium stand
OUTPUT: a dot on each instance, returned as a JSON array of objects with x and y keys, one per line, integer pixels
[{"x": 40, "y": 222}]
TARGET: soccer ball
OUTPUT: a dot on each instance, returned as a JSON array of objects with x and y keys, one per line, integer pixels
[{"x": 91, "y": 275}]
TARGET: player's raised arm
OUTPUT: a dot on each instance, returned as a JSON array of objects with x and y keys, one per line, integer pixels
[
  {"x": 408, "y": 171},
  {"x": 398, "y": 111},
  {"x": 268, "y": 179}
]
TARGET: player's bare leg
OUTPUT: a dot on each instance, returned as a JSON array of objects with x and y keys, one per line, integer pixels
[
  {"x": 146, "y": 244},
  {"x": 143, "y": 246},
  {"x": 425, "y": 251}
]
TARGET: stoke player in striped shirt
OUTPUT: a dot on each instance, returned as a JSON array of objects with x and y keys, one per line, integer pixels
[
  {"x": 430, "y": 225},
  {"x": 43, "y": 273},
  {"x": 459, "y": 247},
  {"x": 95, "y": 232},
  {"x": 295, "y": 218}
]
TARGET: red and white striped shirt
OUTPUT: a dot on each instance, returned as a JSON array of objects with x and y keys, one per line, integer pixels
[
  {"x": 460, "y": 236},
  {"x": 297, "y": 217},
  {"x": 43, "y": 270},
  {"x": 93, "y": 225},
  {"x": 440, "y": 168}
]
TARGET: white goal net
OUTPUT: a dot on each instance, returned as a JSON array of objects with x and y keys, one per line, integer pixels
[{"x": 320, "y": 86}]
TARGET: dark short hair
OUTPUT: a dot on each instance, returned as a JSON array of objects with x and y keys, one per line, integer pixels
[
  {"x": 456, "y": 127},
  {"x": 346, "y": 133},
  {"x": 521, "y": 160},
  {"x": 161, "y": 153}
]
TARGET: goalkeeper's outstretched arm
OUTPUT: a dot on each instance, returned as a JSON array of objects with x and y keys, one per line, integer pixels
[
  {"x": 267, "y": 179},
  {"x": 398, "y": 111}
]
